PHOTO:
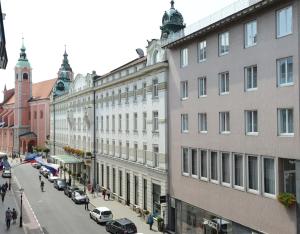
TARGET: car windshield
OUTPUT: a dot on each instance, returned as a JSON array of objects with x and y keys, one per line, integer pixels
[
  {"x": 61, "y": 182},
  {"x": 80, "y": 193},
  {"x": 108, "y": 212},
  {"x": 130, "y": 227}
]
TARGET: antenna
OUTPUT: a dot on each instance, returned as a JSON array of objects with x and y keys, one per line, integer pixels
[{"x": 140, "y": 52}]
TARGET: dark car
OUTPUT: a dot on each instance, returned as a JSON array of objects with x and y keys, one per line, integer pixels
[
  {"x": 59, "y": 184},
  {"x": 70, "y": 189},
  {"x": 121, "y": 226}
]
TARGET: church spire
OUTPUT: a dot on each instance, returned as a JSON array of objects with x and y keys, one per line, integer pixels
[
  {"x": 23, "y": 61},
  {"x": 65, "y": 64},
  {"x": 172, "y": 4}
]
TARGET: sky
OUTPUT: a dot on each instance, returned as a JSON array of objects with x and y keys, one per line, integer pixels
[{"x": 99, "y": 35}]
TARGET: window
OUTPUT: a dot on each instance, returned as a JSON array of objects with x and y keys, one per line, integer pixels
[
  {"x": 194, "y": 162},
  {"x": 119, "y": 96},
  {"x": 41, "y": 114},
  {"x": 155, "y": 156},
  {"x": 184, "y": 123},
  {"x": 238, "y": 170},
  {"x": 202, "y": 122},
  {"x": 225, "y": 160},
  {"x": 285, "y": 71},
  {"x": 144, "y": 121},
  {"x": 144, "y": 153},
  {"x": 250, "y": 34},
  {"x": 202, "y": 87},
  {"x": 107, "y": 123},
  {"x": 113, "y": 123},
  {"x": 35, "y": 115},
  {"x": 184, "y": 57},
  {"x": 269, "y": 175},
  {"x": 97, "y": 123},
  {"x": 102, "y": 100},
  {"x": 224, "y": 122},
  {"x": 204, "y": 164},
  {"x": 107, "y": 99},
  {"x": 120, "y": 122},
  {"x": 113, "y": 148},
  {"x": 214, "y": 175},
  {"x": 107, "y": 147},
  {"x": 113, "y": 98},
  {"x": 185, "y": 161},
  {"x": 223, "y": 43},
  {"x": 251, "y": 122},
  {"x": 155, "y": 121},
  {"x": 120, "y": 184},
  {"x": 126, "y": 95},
  {"x": 284, "y": 20},
  {"x": 127, "y": 150},
  {"x": 101, "y": 123},
  {"x": 135, "y": 93},
  {"x": 251, "y": 78},
  {"x": 285, "y": 122},
  {"x": 224, "y": 83},
  {"x": 135, "y": 153},
  {"x": 202, "y": 51},
  {"x": 155, "y": 88},
  {"x": 184, "y": 90},
  {"x": 102, "y": 143},
  {"x": 127, "y": 122},
  {"x": 120, "y": 149},
  {"x": 144, "y": 91},
  {"x": 135, "y": 119},
  {"x": 253, "y": 173}
]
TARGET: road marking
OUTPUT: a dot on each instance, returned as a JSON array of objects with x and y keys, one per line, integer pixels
[{"x": 28, "y": 206}]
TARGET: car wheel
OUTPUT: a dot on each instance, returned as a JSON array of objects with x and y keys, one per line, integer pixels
[
  {"x": 107, "y": 229},
  {"x": 91, "y": 216}
]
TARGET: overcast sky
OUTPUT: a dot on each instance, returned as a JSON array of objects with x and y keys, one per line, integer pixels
[{"x": 100, "y": 35}]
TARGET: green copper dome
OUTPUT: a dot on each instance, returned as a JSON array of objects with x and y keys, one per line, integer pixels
[
  {"x": 23, "y": 61},
  {"x": 172, "y": 22}
]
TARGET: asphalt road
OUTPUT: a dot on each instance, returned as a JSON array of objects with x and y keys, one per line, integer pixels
[{"x": 55, "y": 212}]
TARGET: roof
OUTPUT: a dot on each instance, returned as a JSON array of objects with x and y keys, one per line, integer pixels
[
  {"x": 124, "y": 221},
  {"x": 101, "y": 208},
  {"x": 40, "y": 90},
  {"x": 126, "y": 65}
]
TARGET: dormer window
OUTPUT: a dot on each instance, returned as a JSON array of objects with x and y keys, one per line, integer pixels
[{"x": 25, "y": 76}]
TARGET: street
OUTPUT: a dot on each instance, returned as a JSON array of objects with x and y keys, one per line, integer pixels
[{"x": 55, "y": 212}]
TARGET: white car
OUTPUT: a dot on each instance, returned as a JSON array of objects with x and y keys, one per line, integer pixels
[
  {"x": 52, "y": 177},
  {"x": 101, "y": 214},
  {"x": 6, "y": 173}
]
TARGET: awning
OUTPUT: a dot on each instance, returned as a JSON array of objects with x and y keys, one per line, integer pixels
[{"x": 68, "y": 159}]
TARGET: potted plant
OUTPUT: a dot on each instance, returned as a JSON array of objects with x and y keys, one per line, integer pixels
[
  {"x": 160, "y": 224},
  {"x": 287, "y": 199}
]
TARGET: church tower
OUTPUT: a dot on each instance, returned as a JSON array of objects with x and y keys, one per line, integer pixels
[
  {"x": 23, "y": 93},
  {"x": 65, "y": 76}
]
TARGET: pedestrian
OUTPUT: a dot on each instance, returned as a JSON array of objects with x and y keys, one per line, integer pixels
[
  {"x": 104, "y": 193},
  {"x": 9, "y": 185},
  {"x": 86, "y": 204},
  {"x": 3, "y": 195},
  {"x": 150, "y": 220},
  {"x": 14, "y": 215},
  {"x": 6, "y": 186},
  {"x": 8, "y": 216},
  {"x": 108, "y": 193},
  {"x": 93, "y": 192}
]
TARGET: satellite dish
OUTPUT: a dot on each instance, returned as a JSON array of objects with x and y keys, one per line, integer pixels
[{"x": 140, "y": 52}]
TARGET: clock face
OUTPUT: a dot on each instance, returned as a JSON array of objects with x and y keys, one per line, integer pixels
[{"x": 60, "y": 86}]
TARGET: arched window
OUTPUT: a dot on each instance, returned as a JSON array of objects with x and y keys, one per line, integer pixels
[
  {"x": 25, "y": 76},
  {"x": 155, "y": 57}
]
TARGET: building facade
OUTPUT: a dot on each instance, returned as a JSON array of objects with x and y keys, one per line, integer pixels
[
  {"x": 234, "y": 122},
  {"x": 24, "y": 112},
  {"x": 3, "y": 53}
]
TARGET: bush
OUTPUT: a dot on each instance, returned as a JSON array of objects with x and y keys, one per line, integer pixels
[
  {"x": 159, "y": 219},
  {"x": 287, "y": 199},
  {"x": 88, "y": 154}
]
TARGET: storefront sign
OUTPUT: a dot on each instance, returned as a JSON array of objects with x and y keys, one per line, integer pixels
[{"x": 210, "y": 223}]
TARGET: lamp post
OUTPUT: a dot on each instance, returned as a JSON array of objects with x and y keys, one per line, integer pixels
[{"x": 21, "y": 213}]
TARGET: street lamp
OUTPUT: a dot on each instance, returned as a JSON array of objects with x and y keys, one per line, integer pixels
[{"x": 21, "y": 213}]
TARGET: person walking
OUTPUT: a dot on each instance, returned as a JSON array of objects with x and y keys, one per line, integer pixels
[
  {"x": 3, "y": 195},
  {"x": 8, "y": 216},
  {"x": 150, "y": 221},
  {"x": 93, "y": 192},
  {"x": 108, "y": 193},
  {"x": 104, "y": 193},
  {"x": 86, "y": 204},
  {"x": 97, "y": 189},
  {"x": 14, "y": 215},
  {"x": 42, "y": 186}
]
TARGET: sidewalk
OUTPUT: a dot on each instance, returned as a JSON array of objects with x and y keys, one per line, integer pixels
[{"x": 120, "y": 211}]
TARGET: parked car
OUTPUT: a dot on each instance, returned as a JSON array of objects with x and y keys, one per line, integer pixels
[
  {"x": 70, "y": 189},
  {"x": 59, "y": 184},
  {"x": 121, "y": 226},
  {"x": 52, "y": 177},
  {"x": 6, "y": 173},
  {"x": 101, "y": 214},
  {"x": 79, "y": 196}
]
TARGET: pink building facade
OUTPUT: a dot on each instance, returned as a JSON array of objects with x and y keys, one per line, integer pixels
[{"x": 24, "y": 112}]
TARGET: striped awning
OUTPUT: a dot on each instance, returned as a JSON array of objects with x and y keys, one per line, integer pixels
[{"x": 67, "y": 159}]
